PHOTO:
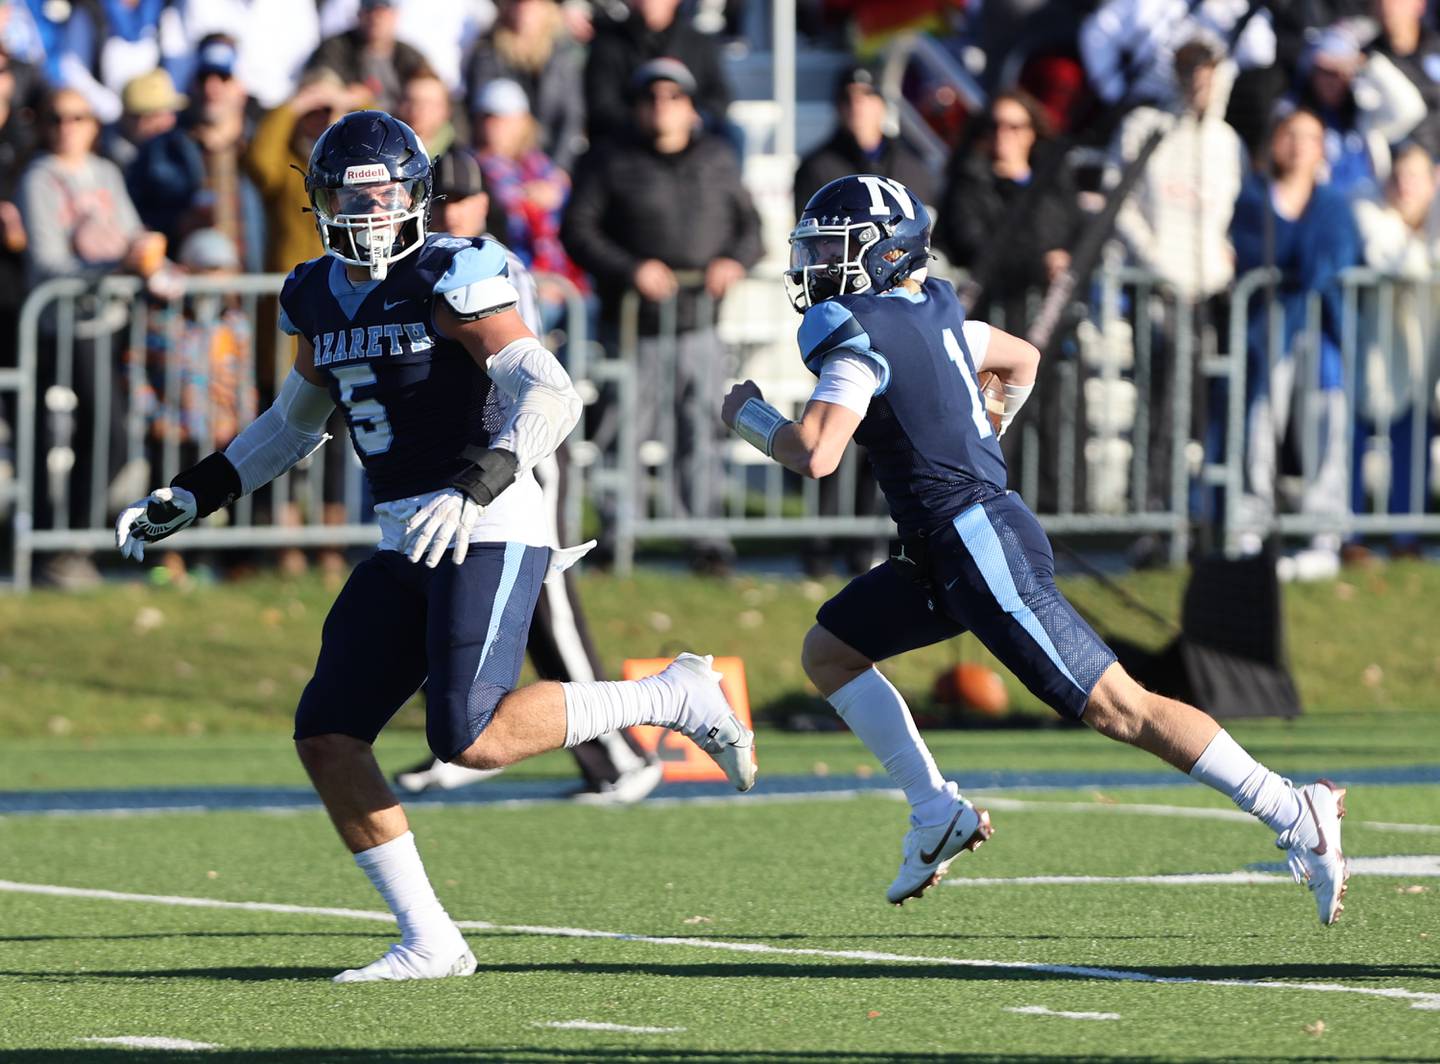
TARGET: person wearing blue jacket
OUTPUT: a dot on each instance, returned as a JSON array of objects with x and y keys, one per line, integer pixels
[{"x": 1292, "y": 221}]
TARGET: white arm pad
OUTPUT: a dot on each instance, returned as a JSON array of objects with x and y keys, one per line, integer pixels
[
  {"x": 291, "y": 428},
  {"x": 480, "y": 299},
  {"x": 544, "y": 405}
]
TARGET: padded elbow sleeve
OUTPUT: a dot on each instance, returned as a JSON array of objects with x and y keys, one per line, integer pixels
[{"x": 544, "y": 405}]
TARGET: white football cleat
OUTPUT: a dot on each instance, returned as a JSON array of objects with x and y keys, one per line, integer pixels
[
  {"x": 632, "y": 786},
  {"x": 1322, "y": 867},
  {"x": 401, "y": 962},
  {"x": 928, "y": 850},
  {"x": 710, "y": 722},
  {"x": 433, "y": 774}
]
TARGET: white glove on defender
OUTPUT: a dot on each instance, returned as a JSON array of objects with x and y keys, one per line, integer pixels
[
  {"x": 162, "y": 513},
  {"x": 448, "y": 518}
]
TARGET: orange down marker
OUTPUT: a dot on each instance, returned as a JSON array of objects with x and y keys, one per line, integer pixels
[{"x": 681, "y": 758}]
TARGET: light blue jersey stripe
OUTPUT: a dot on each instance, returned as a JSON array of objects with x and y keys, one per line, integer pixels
[
  {"x": 509, "y": 573},
  {"x": 984, "y": 546}
]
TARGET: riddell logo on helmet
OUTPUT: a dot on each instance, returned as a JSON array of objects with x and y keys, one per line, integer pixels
[{"x": 360, "y": 175}]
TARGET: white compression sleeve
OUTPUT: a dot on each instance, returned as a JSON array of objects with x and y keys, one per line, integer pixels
[
  {"x": 544, "y": 405},
  {"x": 847, "y": 380},
  {"x": 291, "y": 428},
  {"x": 977, "y": 338}
]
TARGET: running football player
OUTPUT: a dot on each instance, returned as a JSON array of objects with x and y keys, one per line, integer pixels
[
  {"x": 897, "y": 364},
  {"x": 450, "y": 401}
]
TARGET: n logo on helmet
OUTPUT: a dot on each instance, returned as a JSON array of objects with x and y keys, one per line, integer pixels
[{"x": 895, "y": 188}]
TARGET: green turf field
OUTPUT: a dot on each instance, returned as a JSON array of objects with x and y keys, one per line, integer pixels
[
  {"x": 751, "y": 930},
  {"x": 766, "y": 934}
]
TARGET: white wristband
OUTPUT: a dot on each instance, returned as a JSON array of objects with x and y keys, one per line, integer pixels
[
  {"x": 757, "y": 423},
  {"x": 1015, "y": 396}
]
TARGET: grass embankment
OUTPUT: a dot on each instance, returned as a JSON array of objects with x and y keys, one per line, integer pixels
[{"x": 134, "y": 659}]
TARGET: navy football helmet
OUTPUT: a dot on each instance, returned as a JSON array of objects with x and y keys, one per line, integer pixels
[
  {"x": 370, "y": 185},
  {"x": 862, "y": 233}
]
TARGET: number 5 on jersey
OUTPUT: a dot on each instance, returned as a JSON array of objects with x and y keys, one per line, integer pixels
[
  {"x": 369, "y": 423},
  {"x": 977, "y": 405}
]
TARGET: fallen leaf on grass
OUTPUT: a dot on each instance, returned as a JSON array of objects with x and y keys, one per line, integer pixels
[
  {"x": 698, "y": 920},
  {"x": 1317, "y": 1028}
]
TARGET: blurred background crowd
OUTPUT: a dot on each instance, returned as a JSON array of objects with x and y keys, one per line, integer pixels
[{"x": 621, "y": 146}]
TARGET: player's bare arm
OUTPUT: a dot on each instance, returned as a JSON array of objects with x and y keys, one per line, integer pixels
[{"x": 811, "y": 446}]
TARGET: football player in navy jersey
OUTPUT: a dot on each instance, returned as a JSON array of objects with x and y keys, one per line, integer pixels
[
  {"x": 450, "y": 401},
  {"x": 897, "y": 364}
]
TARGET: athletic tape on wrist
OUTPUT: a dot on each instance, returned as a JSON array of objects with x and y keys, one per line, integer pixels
[{"x": 757, "y": 423}]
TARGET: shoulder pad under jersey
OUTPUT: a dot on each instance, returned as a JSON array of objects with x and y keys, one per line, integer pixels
[
  {"x": 829, "y": 328},
  {"x": 477, "y": 282}
]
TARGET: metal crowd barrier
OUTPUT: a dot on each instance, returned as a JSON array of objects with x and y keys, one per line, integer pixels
[{"x": 115, "y": 390}]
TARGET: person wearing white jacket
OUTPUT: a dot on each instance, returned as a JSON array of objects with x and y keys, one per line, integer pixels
[
  {"x": 1128, "y": 46},
  {"x": 1176, "y": 224}
]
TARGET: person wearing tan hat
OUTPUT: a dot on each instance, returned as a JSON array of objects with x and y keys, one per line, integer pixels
[{"x": 167, "y": 169}]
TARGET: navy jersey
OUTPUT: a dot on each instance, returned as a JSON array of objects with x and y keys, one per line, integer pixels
[
  {"x": 413, "y": 400},
  {"x": 931, "y": 446}
]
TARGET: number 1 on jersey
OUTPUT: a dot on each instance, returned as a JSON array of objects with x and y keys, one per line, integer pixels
[{"x": 977, "y": 406}]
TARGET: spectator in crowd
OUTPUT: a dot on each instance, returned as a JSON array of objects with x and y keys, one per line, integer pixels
[
  {"x": 1013, "y": 181},
  {"x": 1394, "y": 385},
  {"x": 1367, "y": 104},
  {"x": 652, "y": 30},
  {"x": 219, "y": 120},
  {"x": 1176, "y": 224},
  {"x": 860, "y": 144},
  {"x": 17, "y": 143},
  {"x": 90, "y": 226},
  {"x": 444, "y": 31},
  {"x": 531, "y": 46},
  {"x": 1128, "y": 46},
  {"x": 106, "y": 43},
  {"x": 167, "y": 170},
  {"x": 370, "y": 55},
  {"x": 80, "y": 223},
  {"x": 529, "y": 188},
  {"x": 641, "y": 210},
  {"x": 995, "y": 188},
  {"x": 1288, "y": 219},
  {"x": 1414, "y": 48},
  {"x": 425, "y": 107},
  {"x": 282, "y": 143},
  {"x": 273, "y": 39}
]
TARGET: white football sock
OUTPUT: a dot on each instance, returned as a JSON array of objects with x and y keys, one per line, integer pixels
[
  {"x": 396, "y": 871},
  {"x": 596, "y": 707},
  {"x": 1271, "y": 799},
  {"x": 880, "y": 719}
]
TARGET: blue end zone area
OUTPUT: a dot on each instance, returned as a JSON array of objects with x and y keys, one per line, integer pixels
[{"x": 494, "y": 792}]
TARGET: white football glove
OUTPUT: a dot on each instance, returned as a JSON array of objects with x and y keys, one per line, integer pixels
[
  {"x": 444, "y": 520},
  {"x": 162, "y": 513}
]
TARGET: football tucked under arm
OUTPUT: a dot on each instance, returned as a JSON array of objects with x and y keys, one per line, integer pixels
[{"x": 992, "y": 391}]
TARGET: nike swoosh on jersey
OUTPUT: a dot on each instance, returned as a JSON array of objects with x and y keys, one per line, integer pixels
[
  {"x": 926, "y": 858},
  {"x": 391, "y": 306}
]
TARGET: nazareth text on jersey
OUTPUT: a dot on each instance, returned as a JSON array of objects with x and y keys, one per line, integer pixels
[{"x": 413, "y": 400}]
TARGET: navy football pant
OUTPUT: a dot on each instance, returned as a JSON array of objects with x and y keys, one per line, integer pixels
[
  {"x": 396, "y": 622},
  {"x": 991, "y": 572}
]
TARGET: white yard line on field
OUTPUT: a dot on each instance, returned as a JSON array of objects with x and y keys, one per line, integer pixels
[
  {"x": 591, "y": 1025},
  {"x": 1417, "y": 998},
  {"x": 1041, "y": 1010},
  {"x": 1403, "y": 865},
  {"x": 989, "y": 798},
  {"x": 151, "y": 1042}
]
